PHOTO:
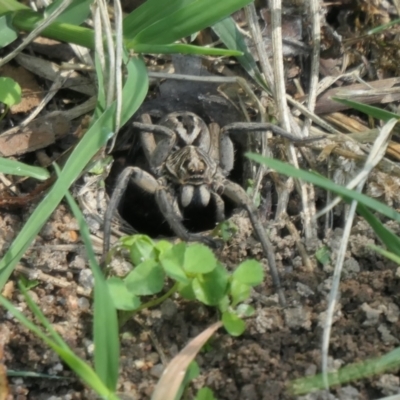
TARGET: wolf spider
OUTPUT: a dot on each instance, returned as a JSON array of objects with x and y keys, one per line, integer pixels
[{"x": 190, "y": 164}]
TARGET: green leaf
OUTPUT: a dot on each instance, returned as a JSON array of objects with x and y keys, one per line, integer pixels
[
  {"x": 186, "y": 291},
  {"x": 150, "y": 12},
  {"x": 233, "y": 39},
  {"x": 391, "y": 256},
  {"x": 172, "y": 261},
  {"x": 249, "y": 272},
  {"x": 12, "y": 167},
  {"x": 351, "y": 372},
  {"x": 199, "y": 259},
  {"x": 186, "y": 20},
  {"x": 239, "y": 292},
  {"x": 146, "y": 279},
  {"x": 211, "y": 288},
  {"x": 205, "y": 394},
  {"x": 7, "y": 33},
  {"x": 192, "y": 372},
  {"x": 75, "y": 14},
  {"x": 142, "y": 249},
  {"x": 27, "y": 20},
  {"x": 233, "y": 324},
  {"x": 10, "y": 91},
  {"x": 181, "y": 48},
  {"x": 162, "y": 246},
  {"x": 391, "y": 241},
  {"x": 374, "y": 112},
  {"x": 323, "y": 255},
  {"x": 94, "y": 139},
  {"x": 224, "y": 304},
  {"x": 327, "y": 184},
  {"x": 11, "y": 5},
  {"x": 122, "y": 298},
  {"x": 105, "y": 321},
  {"x": 83, "y": 370},
  {"x": 245, "y": 310}
]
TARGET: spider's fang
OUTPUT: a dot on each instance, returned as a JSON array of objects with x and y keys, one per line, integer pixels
[{"x": 187, "y": 195}]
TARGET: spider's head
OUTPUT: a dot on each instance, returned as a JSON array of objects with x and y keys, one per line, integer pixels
[
  {"x": 189, "y": 128},
  {"x": 194, "y": 170}
]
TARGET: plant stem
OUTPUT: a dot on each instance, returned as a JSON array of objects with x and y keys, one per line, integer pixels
[{"x": 126, "y": 315}]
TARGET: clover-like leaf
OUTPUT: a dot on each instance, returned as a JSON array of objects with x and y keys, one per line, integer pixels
[
  {"x": 123, "y": 299},
  {"x": 199, "y": 259},
  {"x": 211, "y": 288},
  {"x": 233, "y": 324},
  {"x": 249, "y": 272},
  {"x": 147, "y": 278}
]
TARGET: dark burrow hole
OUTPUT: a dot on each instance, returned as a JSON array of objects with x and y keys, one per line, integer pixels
[{"x": 140, "y": 210}]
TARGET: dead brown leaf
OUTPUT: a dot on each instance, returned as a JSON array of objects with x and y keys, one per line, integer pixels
[{"x": 171, "y": 379}]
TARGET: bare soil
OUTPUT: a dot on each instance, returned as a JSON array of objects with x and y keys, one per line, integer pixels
[{"x": 279, "y": 345}]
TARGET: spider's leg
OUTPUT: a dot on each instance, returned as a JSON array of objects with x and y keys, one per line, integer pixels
[
  {"x": 155, "y": 152},
  {"x": 239, "y": 127},
  {"x": 165, "y": 203},
  {"x": 237, "y": 194},
  {"x": 219, "y": 207},
  {"x": 142, "y": 179}
]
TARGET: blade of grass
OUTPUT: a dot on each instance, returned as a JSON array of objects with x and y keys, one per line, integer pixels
[
  {"x": 14, "y": 167},
  {"x": 233, "y": 39},
  {"x": 390, "y": 240},
  {"x": 150, "y": 12},
  {"x": 105, "y": 325},
  {"x": 58, "y": 340},
  {"x": 372, "y": 111},
  {"x": 187, "y": 20},
  {"x": 391, "y": 256},
  {"x": 327, "y": 184},
  {"x": 11, "y": 5},
  {"x": 75, "y": 363},
  {"x": 26, "y": 20},
  {"x": 184, "y": 49},
  {"x": 95, "y": 138},
  {"x": 349, "y": 373},
  {"x": 76, "y": 13}
]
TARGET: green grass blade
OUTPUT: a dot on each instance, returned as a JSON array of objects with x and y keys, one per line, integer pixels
[
  {"x": 76, "y": 13},
  {"x": 391, "y": 256},
  {"x": 25, "y": 321},
  {"x": 327, "y": 184},
  {"x": 13, "y": 167},
  {"x": 37, "y": 312},
  {"x": 26, "y": 20},
  {"x": 349, "y": 373},
  {"x": 134, "y": 92},
  {"x": 233, "y": 39},
  {"x": 82, "y": 369},
  {"x": 183, "y": 49},
  {"x": 369, "y": 110},
  {"x": 187, "y": 20},
  {"x": 150, "y": 12},
  {"x": 106, "y": 343},
  {"x": 389, "y": 239},
  {"x": 86, "y": 373},
  {"x": 11, "y": 5}
]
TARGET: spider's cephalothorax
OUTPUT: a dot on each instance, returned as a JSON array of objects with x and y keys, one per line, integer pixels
[
  {"x": 194, "y": 171},
  {"x": 190, "y": 164}
]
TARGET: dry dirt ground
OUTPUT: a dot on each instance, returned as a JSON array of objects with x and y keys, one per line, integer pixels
[{"x": 278, "y": 345}]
